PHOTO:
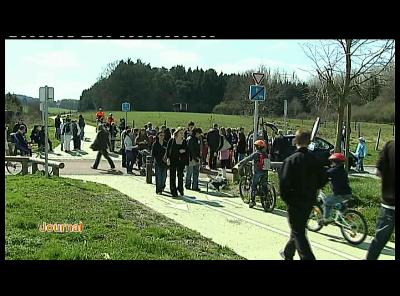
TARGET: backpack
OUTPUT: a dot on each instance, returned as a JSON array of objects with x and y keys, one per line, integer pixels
[{"x": 263, "y": 162}]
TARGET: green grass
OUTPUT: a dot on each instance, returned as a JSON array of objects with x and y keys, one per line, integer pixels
[
  {"x": 205, "y": 121},
  {"x": 113, "y": 224},
  {"x": 55, "y": 110},
  {"x": 366, "y": 191}
]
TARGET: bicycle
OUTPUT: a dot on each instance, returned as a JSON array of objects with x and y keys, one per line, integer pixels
[
  {"x": 15, "y": 167},
  {"x": 265, "y": 189},
  {"x": 351, "y": 222}
]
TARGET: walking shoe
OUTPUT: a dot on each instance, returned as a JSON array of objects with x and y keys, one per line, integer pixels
[
  {"x": 282, "y": 253},
  {"x": 197, "y": 189},
  {"x": 181, "y": 193},
  {"x": 187, "y": 187},
  {"x": 93, "y": 167},
  {"x": 252, "y": 204}
]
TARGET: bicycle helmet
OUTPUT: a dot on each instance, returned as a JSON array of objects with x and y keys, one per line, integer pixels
[
  {"x": 337, "y": 157},
  {"x": 260, "y": 143},
  {"x": 110, "y": 114}
]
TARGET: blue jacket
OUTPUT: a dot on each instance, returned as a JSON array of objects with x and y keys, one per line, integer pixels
[
  {"x": 339, "y": 180},
  {"x": 361, "y": 151}
]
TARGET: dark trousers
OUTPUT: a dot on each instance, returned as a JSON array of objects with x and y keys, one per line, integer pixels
[
  {"x": 112, "y": 146},
  {"x": 161, "y": 176},
  {"x": 129, "y": 160},
  {"x": 212, "y": 159},
  {"x": 123, "y": 153},
  {"x": 105, "y": 154},
  {"x": 77, "y": 142},
  {"x": 298, "y": 216},
  {"x": 384, "y": 229},
  {"x": 174, "y": 170}
]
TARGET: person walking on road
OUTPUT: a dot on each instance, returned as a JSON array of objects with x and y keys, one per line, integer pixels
[
  {"x": 158, "y": 152},
  {"x": 386, "y": 220},
  {"x": 301, "y": 175},
  {"x": 76, "y": 137},
  {"x": 100, "y": 144},
  {"x": 177, "y": 159},
  {"x": 194, "y": 142}
]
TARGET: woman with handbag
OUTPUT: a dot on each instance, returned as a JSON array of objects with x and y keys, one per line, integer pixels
[
  {"x": 158, "y": 153},
  {"x": 177, "y": 159}
]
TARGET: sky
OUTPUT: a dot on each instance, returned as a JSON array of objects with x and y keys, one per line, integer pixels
[{"x": 70, "y": 66}]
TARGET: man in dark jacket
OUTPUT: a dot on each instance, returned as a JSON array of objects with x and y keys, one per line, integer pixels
[
  {"x": 301, "y": 176},
  {"x": 386, "y": 221},
  {"x": 279, "y": 149},
  {"x": 57, "y": 125},
  {"x": 194, "y": 142},
  {"x": 213, "y": 140},
  {"x": 100, "y": 144}
]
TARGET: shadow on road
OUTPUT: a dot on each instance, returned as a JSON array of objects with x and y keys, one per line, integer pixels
[{"x": 363, "y": 246}]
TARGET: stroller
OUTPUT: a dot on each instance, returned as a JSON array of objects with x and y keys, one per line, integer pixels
[{"x": 142, "y": 161}]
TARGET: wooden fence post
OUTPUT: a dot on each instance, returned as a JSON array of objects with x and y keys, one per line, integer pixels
[
  {"x": 133, "y": 123},
  {"x": 377, "y": 141},
  {"x": 355, "y": 125},
  {"x": 359, "y": 129}
]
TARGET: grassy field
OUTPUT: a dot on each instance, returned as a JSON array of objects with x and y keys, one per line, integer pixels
[
  {"x": 55, "y": 110},
  {"x": 115, "y": 227},
  {"x": 327, "y": 131},
  {"x": 366, "y": 191}
]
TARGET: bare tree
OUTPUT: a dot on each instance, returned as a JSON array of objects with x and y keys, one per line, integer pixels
[{"x": 344, "y": 66}]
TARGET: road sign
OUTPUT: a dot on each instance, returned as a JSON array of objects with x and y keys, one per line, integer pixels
[
  {"x": 126, "y": 107},
  {"x": 257, "y": 93},
  {"x": 43, "y": 95},
  {"x": 258, "y": 77}
]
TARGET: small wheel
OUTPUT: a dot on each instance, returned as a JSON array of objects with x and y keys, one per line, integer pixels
[
  {"x": 314, "y": 219},
  {"x": 14, "y": 168},
  {"x": 268, "y": 201},
  {"x": 354, "y": 228},
  {"x": 42, "y": 168},
  {"x": 245, "y": 189}
]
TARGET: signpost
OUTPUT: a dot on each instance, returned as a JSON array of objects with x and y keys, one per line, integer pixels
[
  {"x": 285, "y": 110},
  {"x": 46, "y": 93},
  {"x": 125, "y": 108},
  {"x": 256, "y": 94}
]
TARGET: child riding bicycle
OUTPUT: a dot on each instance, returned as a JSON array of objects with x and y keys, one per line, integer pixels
[
  {"x": 260, "y": 167},
  {"x": 339, "y": 183}
]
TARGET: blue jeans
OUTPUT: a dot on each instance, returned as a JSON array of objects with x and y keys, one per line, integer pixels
[
  {"x": 161, "y": 176},
  {"x": 256, "y": 177},
  {"x": 330, "y": 201},
  {"x": 241, "y": 156},
  {"x": 82, "y": 134},
  {"x": 384, "y": 229},
  {"x": 192, "y": 171},
  {"x": 360, "y": 164}
]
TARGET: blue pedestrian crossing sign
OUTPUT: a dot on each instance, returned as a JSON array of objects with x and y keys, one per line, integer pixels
[
  {"x": 126, "y": 107},
  {"x": 257, "y": 93}
]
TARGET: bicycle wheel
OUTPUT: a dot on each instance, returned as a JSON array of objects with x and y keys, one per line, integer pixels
[
  {"x": 42, "y": 168},
  {"x": 313, "y": 221},
  {"x": 14, "y": 168},
  {"x": 245, "y": 188},
  {"x": 354, "y": 227},
  {"x": 268, "y": 201}
]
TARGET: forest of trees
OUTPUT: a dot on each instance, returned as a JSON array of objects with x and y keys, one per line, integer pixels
[{"x": 157, "y": 89}]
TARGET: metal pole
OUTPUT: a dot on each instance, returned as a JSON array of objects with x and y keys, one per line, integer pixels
[
  {"x": 126, "y": 118},
  {"x": 347, "y": 139},
  {"x": 46, "y": 137},
  {"x": 377, "y": 141},
  {"x": 255, "y": 121}
]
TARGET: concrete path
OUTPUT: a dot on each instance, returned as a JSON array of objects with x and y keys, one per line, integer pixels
[{"x": 251, "y": 233}]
